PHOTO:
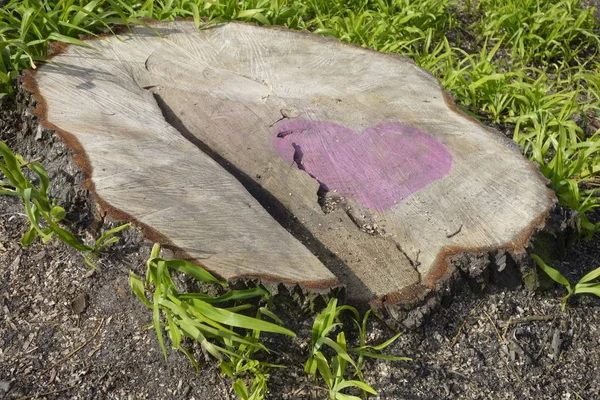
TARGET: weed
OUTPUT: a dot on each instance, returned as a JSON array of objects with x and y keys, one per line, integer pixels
[
  {"x": 203, "y": 318},
  {"x": 585, "y": 284},
  {"x": 539, "y": 30},
  {"x": 246, "y": 366},
  {"x": 44, "y": 215},
  {"x": 334, "y": 372}
]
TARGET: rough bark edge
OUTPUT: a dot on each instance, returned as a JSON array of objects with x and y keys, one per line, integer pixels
[{"x": 453, "y": 266}]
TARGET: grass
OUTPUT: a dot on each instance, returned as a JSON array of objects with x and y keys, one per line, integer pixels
[
  {"x": 334, "y": 371},
  {"x": 224, "y": 331},
  {"x": 538, "y": 31}
]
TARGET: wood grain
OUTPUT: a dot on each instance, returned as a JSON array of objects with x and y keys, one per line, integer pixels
[{"x": 363, "y": 151}]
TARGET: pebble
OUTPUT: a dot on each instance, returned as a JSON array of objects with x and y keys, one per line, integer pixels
[{"x": 79, "y": 304}]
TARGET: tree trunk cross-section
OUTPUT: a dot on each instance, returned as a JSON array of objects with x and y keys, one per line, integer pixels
[{"x": 382, "y": 178}]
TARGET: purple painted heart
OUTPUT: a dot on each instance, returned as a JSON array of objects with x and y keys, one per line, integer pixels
[{"x": 379, "y": 167}]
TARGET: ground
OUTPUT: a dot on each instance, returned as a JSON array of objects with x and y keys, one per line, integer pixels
[{"x": 70, "y": 332}]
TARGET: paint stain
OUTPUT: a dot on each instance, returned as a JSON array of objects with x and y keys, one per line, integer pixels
[{"x": 379, "y": 167}]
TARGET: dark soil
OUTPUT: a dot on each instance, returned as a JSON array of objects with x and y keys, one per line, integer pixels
[{"x": 71, "y": 332}]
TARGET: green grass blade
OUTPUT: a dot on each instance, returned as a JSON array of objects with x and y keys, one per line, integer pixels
[
  {"x": 40, "y": 171},
  {"x": 194, "y": 271},
  {"x": 386, "y": 343},
  {"x": 311, "y": 365},
  {"x": 156, "y": 322},
  {"x": 233, "y": 295},
  {"x": 324, "y": 320},
  {"x": 353, "y": 310},
  {"x": 67, "y": 39},
  {"x": 137, "y": 286},
  {"x": 237, "y": 309},
  {"x": 551, "y": 272},
  {"x": 324, "y": 369},
  {"x": 240, "y": 389},
  {"x": 240, "y": 321},
  {"x": 11, "y": 168},
  {"x": 29, "y": 237},
  {"x": 361, "y": 385},
  {"x": 342, "y": 396},
  {"x": 33, "y": 214},
  {"x": 191, "y": 358},
  {"x": 174, "y": 332},
  {"x": 590, "y": 276},
  {"x": 11, "y": 193},
  {"x": 107, "y": 237},
  {"x": 270, "y": 314},
  {"x": 593, "y": 289},
  {"x": 88, "y": 261},
  {"x": 67, "y": 236},
  {"x": 341, "y": 352}
]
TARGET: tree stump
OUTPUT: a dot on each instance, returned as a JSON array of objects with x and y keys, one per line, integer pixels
[{"x": 361, "y": 155}]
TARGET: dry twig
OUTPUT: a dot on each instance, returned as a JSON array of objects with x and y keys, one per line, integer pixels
[{"x": 525, "y": 320}]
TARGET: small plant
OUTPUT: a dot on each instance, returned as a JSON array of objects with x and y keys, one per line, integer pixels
[
  {"x": 206, "y": 319},
  {"x": 44, "y": 215},
  {"x": 334, "y": 372},
  {"x": 245, "y": 366},
  {"x": 585, "y": 284}
]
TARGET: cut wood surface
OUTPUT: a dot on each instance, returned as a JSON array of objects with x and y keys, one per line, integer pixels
[{"x": 360, "y": 154}]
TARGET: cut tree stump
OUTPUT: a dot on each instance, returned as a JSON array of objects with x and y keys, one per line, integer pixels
[{"x": 361, "y": 155}]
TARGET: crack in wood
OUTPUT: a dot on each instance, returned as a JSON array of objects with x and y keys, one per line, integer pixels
[
  {"x": 413, "y": 263},
  {"x": 287, "y": 113},
  {"x": 365, "y": 224}
]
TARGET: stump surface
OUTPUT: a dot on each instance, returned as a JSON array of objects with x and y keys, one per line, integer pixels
[{"x": 374, "y": 169}]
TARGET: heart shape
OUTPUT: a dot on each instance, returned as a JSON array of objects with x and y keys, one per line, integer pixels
[{"x": 379, "y": 167}]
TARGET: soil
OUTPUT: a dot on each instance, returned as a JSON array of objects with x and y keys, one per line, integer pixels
[{"x": 71, "y": 332}]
